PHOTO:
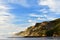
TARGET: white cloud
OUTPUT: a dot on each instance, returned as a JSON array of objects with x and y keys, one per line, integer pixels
[
  {"x": 35, "y": 15},
  {"x": 57, "y": 13},
  {"x": 52, "y": 18},
  {"x": 48, "y": 17},
  {"x": 29, "y": 20},
  {"x": 50, "y": 3},
  {"x": 4, "y": 15},
  {"x": 32, "y": 24},
  {"x": 41, "y": 19},
  {"x": 6, "y": 20},
  {"x": 24, "y": 3},
  {"x": 43, "y": 10},
  {"x": 10, "y": 29},
  {"x": 38, "y": 16},
  {"x": 53, "y": 4},
  {"x": 2, "y": 7},
  {"x": 20, "y": 2}
]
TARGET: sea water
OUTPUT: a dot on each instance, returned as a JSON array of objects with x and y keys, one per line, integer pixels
[
  {"x": 38, "y": 38},
  {"x": 9, "y": 37}
]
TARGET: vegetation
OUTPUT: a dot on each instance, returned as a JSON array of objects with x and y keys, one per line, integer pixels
[{"x": 51, "y": 28}]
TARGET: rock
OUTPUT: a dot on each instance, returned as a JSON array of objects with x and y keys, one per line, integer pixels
[{"x": 46, "y": 28}]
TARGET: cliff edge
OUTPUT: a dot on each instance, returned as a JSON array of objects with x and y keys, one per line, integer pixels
[{"x": 46, "y": 28}]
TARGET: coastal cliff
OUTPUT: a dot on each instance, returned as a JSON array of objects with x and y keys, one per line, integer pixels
[{"x": 46, "y": 28}]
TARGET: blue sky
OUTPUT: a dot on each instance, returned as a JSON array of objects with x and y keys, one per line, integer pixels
[{"x": 16, "y": 15}]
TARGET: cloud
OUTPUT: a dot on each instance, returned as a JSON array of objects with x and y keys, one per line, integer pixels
[
  {"x": 4, "y": 15},
  {"x": 6, "y": 21},
  {"x": 50, "y": 3},
  {"x": 19, "y": 2},
  {"x": 29, "y": 20},
  {"x": 42, "y": 17},
  {"x": 43, "y": 10},
  {"x": 32, "y": 24},
  {"x": 48, "y": 17},
  {"x": 9, "y": 29},
  {"x": 35, "y": 15},
  {"x": 53, "y": 4}
]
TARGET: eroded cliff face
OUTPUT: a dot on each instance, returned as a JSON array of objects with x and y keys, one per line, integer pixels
[{"x": 50, "y": 28}]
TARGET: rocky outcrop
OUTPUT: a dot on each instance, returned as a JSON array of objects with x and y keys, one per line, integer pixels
[{"x": 47, "y": 28}]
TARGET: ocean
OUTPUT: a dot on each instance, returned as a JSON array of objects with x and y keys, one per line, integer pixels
[{"x": 39, "y": 38}]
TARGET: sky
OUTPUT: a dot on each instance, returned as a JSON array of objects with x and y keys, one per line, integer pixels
[{"x": 17, "y": 15}]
